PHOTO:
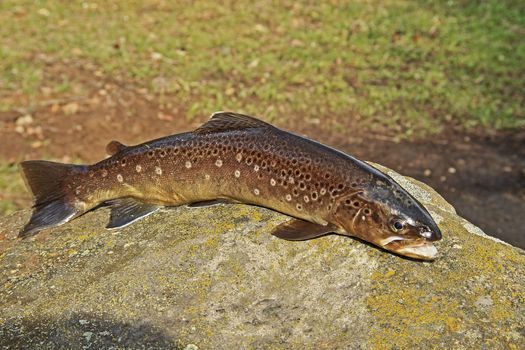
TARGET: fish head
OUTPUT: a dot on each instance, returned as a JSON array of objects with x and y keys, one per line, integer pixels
[{"x": 389, "y": 217}]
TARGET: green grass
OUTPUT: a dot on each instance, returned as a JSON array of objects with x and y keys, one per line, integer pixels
[
  {"x": 408, "y": 67},
  {"x": 12, "y": 189}
]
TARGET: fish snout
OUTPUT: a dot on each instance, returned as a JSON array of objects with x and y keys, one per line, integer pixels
[{"x": 429, "y": 234}]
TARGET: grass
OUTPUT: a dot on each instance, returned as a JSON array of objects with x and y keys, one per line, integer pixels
[
  {"x": 12, "y": 189},
  {"x": 407, "y": 67}
]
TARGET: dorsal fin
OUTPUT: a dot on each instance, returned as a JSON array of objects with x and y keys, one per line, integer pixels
[
  {"x": 225, "y": 121},
  {"x": 114, "y": 147}
]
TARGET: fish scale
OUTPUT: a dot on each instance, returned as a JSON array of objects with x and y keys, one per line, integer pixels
[{"x": 237, "y": 158}]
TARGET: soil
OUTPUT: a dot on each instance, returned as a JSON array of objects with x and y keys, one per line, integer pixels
[{"x": 482, "y": 175}]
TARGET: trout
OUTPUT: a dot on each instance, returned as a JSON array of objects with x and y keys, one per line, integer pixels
[{"x": 238, "y": 159}]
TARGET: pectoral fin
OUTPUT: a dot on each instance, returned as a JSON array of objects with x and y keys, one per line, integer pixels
[
  {"x": 125, "y": 211},
  {"x": 299, "y": 230}
]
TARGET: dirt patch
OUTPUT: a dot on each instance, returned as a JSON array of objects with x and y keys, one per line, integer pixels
[
  {"x": 78, "y": 125},
  {"x": 483, "y": 176}
]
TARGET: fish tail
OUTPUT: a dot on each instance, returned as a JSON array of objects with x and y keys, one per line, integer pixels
[{"x": 54, "y": 201}]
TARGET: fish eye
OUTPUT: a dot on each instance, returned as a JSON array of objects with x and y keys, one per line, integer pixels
[{"x": 398, "y": 225}]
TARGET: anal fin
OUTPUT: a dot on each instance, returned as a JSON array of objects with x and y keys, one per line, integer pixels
[
  {"x": 125, "y": 211},
  {"x": 299, "y": 230}
]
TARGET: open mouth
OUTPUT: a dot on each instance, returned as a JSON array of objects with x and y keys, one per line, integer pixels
[{"x": 419, "y": 248}]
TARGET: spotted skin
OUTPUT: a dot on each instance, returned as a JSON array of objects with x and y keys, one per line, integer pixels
[
  {"x": 270, "y": 165},
  {"x": 242, "y": 159}
]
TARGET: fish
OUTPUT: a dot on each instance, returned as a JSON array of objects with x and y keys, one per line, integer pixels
[{"x": 236, "y": 158}]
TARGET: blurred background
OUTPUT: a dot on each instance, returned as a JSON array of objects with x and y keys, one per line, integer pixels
[{"x": 432, "y": 89}]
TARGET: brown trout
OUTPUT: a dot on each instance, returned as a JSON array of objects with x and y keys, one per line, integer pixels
[{"x": 237, "y": 158}]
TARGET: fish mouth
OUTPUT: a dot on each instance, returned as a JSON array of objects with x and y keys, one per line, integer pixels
[{"x": 413, "y": 248}]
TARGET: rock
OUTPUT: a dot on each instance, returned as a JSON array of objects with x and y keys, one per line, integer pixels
[{"x": 214, "y": 278}]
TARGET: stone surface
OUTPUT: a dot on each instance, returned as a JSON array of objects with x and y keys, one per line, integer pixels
[{"x": 213, "y": 278}]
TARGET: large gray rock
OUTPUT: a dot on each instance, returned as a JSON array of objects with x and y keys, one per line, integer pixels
[{"x": 214, "y": 278}]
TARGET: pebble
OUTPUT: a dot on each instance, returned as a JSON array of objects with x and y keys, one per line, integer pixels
[
  {"x": 427, "y": 172},
  {"x": 452, "y": 170},
  {"x": 156, "y": 56},
  {"x": 24, "y": 120},
  {"x": 70, "y": 108},
  {"x": 44, "y": 12}
]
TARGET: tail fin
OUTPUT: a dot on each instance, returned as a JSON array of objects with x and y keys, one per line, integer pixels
[{"x": 53, "y": 202}]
